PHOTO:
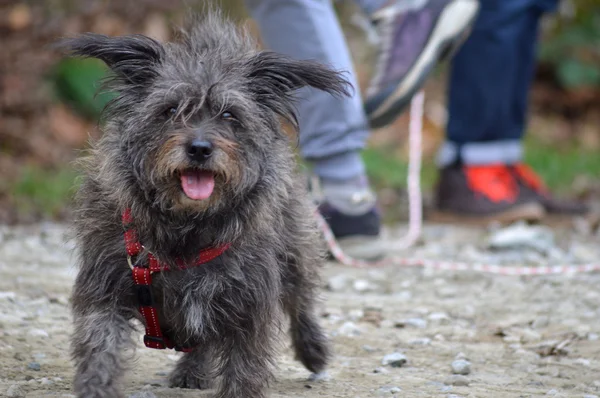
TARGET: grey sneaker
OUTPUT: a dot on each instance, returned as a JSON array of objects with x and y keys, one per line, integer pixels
[
  {"x": 415, "y": 35},
  {"x": 351, "y": 213}
]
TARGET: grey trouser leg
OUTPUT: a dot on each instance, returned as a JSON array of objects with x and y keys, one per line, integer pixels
[
  {"x": 370, "y": 6},
  {"x": 332, "y": 130}
]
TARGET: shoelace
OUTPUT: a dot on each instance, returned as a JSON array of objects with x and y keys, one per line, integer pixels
[
  {"x": 530, "y": 178},
  {"x": 493, "y": 181}
]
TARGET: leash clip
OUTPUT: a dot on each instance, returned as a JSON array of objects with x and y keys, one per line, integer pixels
[{"x": 130, "y": 262}]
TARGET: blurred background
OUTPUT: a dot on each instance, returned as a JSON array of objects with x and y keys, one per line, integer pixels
[{"x": 49, "y": 110}]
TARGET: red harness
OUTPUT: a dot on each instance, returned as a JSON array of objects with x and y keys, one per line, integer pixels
[{"x": 142, "y": 276}]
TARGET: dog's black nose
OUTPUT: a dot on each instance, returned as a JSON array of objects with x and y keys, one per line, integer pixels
[{"x": 199, "y": 150}]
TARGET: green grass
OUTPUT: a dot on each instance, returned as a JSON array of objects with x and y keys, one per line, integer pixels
[
  {"x": 558, "y": 166},
  {"x": 387, "y": 170},
  {"x": 48, "y": 193},
  {"x": 43, "y": 192}
]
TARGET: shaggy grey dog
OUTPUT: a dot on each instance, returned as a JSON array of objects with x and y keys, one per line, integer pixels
[{"x": 194, "y": 151}]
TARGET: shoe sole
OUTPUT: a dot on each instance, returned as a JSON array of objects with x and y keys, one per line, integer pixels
[
  {"x": 531, "y": 212},
  {"x": 450, "y": 32},
  {"x": 366, "y": 248}
]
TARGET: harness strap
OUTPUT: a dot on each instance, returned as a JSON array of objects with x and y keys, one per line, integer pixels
[{"x": 142, "y": 277}]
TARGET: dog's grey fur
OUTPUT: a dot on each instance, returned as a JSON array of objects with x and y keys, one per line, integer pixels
[{"x": 230, "y": 307}]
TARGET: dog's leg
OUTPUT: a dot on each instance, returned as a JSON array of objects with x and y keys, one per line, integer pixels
[
  {"x": 98, "y": 342},
  {"x": 246, "y": 366},
  {"x": 310, "y": 343},
  {"x": 193, "y": 370}
]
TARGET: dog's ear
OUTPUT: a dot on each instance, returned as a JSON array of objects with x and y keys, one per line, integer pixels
[
  {"x": 132, "y": 58},
  {"x": 274, "y": 78}
]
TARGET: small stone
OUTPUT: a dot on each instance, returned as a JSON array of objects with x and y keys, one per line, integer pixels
[
  {"x": 19, "y": 357},
  {"x": 530, "y": 336},
  {"x": 46, "y": 381},
  {"x": 321, "y": 376},
  {"x": 593, "y": 336},
  {"x": 552, "y": 392},
  {"x": 461, "y": 355},
  {"x": 521, "y": 235},
  {"x": 540, "y": 322},
  {"x": 457, "y": 380},
  {"x": 439, "y": 317},
  {"x": 387, "y": 323},
  {"x": 394, "y": 360},
  {"x": 582, "y": 361},
  {"x": 7, "y": 295},
  {"x": 439, "y": 337},
  {"x": 412, "y": 322},
  {"x": 420, "y": 341},
  {"x": 387, "y": 390},
  {"x": 34, "y": 366},
  {"x": 349, "y": 329},
  {"x": 381, "y": 370},
  {"x": 461, "y": 367},
  {"x": 447, "y": 292},
  {"x": 142, "y": 394},
  {"x": 15, "y": 391},
  {"x": 361, "y": 285},
  {"x": 368, "y": 348},
  {"x": 355, "y": 315},
  {"x": 38, "y": 333},
  {"x": 337, "y": 283}
]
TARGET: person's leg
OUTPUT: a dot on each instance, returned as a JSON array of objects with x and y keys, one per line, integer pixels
[
  {"x": 333, "y": 130},
  {"x": 486, "y": 115},
  {"x": 528, "y": 181},
  {"x": 488, "y": 97}
]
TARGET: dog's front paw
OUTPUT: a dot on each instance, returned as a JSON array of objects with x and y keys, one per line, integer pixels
[
  {"x": 188, "y": 378},
  {"x": 314, "y": 354},
  {"x": 311, "y": 345}
]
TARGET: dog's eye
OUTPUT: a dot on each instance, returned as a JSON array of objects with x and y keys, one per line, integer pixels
[
  {"x": 227, "y": 116},
  {"x": 171, "y": 111}
]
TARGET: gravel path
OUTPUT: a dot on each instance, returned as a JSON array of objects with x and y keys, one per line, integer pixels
[{"x": 396, "y": 332}]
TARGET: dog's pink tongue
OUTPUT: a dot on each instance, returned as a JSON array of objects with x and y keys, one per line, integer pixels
[{"x": 197, "y": 184}]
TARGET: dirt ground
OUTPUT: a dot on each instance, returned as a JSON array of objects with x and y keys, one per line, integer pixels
[{"x": 523, "y": 337}]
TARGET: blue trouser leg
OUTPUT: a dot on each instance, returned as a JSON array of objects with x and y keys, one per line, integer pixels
[
  {"x": 332, "y": 129},
  {"x": 489, "y": 83}
]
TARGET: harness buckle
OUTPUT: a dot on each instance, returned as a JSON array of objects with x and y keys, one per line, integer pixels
[{"x": 159, "y": 341}]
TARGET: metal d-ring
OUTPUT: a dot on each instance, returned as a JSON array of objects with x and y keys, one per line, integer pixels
[{"x": 130, "y": 262}]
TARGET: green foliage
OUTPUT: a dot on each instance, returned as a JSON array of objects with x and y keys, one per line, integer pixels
[
  {"x": 77, "y": 82},
  {"x": 560, "y": 166},
  {"x": 387, "y": 170},
  {"x": 573, "y": 47},
  {"x": 43, "y": 191}
]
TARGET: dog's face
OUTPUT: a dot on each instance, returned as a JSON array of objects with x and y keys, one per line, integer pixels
[{"x": 198, "y": 119}]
